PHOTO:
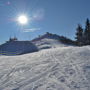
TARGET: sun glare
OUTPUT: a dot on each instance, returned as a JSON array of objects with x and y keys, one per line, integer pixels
[{"x": 23, "y": 19}]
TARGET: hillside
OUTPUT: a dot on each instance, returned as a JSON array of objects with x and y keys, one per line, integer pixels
[
  {"x": 49, "y": 40},
  {"x": 45, "y": 41},
  {"x": 17, "y": 48},
  {"x": 66, "y": 68}
]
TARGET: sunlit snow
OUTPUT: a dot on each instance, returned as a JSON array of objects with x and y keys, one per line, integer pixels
[{"x": 66, "y": 68}]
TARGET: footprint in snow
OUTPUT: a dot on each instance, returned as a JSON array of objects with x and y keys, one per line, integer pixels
[
  {"x": 70, "y": 71},
  {"x": 62, "y": 79}
]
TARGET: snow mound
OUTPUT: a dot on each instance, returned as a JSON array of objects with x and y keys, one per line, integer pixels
[
  {"x": 17, "y": 47},
  {"x": 48, "y": 43},
  {"x": 48, "y": 36},
  {"x": 50, "y": 40},
  {"x": 66, "y": 68}
]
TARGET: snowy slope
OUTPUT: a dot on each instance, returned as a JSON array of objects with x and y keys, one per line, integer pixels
[
  {"x": 66, "y": 68},
  {"x": 48, "y": 43},
  {"x": 48, "y": 40},
  {"x": 48, "y": 36},
  {"x": 17, "y": 47}
]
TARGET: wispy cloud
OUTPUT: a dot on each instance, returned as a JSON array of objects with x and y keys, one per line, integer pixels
[{"x": 31, "y": 29}]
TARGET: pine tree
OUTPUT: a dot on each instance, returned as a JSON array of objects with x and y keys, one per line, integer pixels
[
  {"x": 87, "y": 33},
  {"x": 79, "y": 35}
]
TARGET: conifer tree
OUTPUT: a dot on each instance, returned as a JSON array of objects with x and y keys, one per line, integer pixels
[
  {"x": 79, "y": 35},
  {"x": 87, "y": 33}
]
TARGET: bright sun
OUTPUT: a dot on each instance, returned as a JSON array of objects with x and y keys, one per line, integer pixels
[{"x": 22, "y": 19}]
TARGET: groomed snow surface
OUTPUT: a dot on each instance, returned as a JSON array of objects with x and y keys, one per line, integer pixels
[{"x": 61, "y": 68}]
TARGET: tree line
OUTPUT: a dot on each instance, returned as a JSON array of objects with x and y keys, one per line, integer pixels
[{"x": 83, "y": 34}]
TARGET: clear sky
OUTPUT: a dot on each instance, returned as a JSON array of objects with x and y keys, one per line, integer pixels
[{"x": 55, "y": 16}]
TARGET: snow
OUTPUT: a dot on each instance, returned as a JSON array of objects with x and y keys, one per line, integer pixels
[
  {"x": 48, "y": 43},
  {"x": 49, "y": 40},
  {"x": 61, "y": 68},
  {"x": 17, "y": 47}
]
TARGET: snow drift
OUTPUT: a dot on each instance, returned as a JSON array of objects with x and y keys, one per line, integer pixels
[{"x": 66, "y": 68}]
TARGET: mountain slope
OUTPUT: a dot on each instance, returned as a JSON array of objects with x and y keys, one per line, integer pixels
[
  {"x": 50, "y": 40},
  {"x": 48, "y": 43},
  {"x": 48, "y": 36},
  {"x": 17, "y": 48},
  {"x": 66, "y": 68}
]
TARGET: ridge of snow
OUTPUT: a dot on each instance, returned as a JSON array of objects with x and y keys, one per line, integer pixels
[
  {"x": 48, "y": 36},
  {"x": 50, "y": 40},
  {"x": 48, "y": 43}
]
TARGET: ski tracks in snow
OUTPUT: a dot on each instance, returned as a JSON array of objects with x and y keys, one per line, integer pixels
[{"x": 48, "y": 70}]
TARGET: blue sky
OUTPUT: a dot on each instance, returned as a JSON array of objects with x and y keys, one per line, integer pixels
[{"x": 55, "y": 16}]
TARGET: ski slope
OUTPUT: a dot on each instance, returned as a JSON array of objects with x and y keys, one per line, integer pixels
[{"x": 61, "y": 68}]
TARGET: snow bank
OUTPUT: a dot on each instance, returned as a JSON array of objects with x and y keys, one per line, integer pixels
[{"x": 66, "y": 68}]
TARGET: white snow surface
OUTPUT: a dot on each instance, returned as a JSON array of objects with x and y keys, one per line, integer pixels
[
  {"x": 17, "y": 47},
  {"x": 61, "y": 68},
  {"x": 48, "y": 43}
]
